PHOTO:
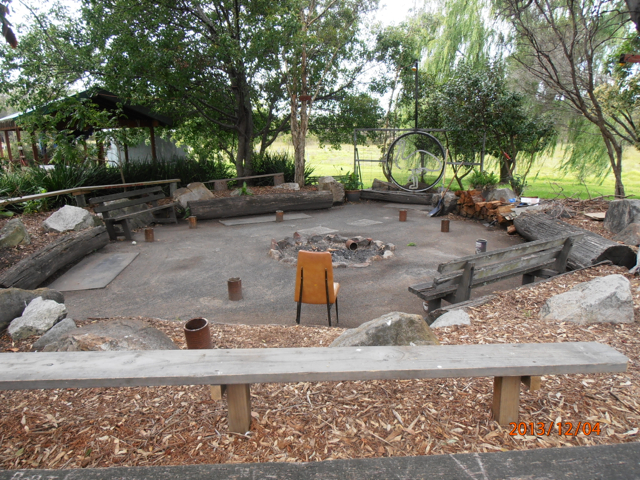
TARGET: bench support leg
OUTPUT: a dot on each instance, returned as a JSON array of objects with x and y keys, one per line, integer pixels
[
  {"x": 532, "y": 382},
  {"x": 239, "y": 402},
  {"x": 217, "y": 391},
  {"x": 506, "y": 399},
  {"x": 81, "y": 201},
  {"x": 528, "y": 278}
]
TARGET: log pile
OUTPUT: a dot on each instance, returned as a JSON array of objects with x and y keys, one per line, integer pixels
[{"x": 471, "y": 204}]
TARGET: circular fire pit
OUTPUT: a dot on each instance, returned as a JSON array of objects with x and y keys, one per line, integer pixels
[{"x": 355, "y": 252}]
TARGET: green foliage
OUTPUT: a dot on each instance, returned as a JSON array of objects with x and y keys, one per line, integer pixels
[
  {"x": 483, "y": 179},
  {"x": 518, "y": 184},
  {"x": 244, "y": 190},
  {"x": 277, "y": 162},
  {"x": 38, "y": 205},
  {"x": 351, "y": 181}
]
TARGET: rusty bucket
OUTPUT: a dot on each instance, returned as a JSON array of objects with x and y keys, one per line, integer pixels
[
  {"x": 148, "y": 234},
  {"x": 193, "y": 221},
  {"x": 197, "y": 334},
  {"x": 235, "y": 289},
  {"x": 403, "y": 215},
  {"x": 279, "y": 216},
  {"x": 444, "y": 226}
]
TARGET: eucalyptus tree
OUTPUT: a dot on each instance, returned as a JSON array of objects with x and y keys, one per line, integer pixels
[
  {"x": 7, "y": 31},
  {"x": 321, "y": 61},
  {"x": 567, "y": 45}
]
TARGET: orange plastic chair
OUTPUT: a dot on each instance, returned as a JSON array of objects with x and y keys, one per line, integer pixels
[{"x": 314, "y": 282}]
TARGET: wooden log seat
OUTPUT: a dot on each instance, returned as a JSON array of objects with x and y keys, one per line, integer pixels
[
  {"x": 509, "y": 364},
  {"x": 146, "y": 197}
]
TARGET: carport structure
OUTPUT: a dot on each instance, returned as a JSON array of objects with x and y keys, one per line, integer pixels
[{"x": 128, "y": 116}]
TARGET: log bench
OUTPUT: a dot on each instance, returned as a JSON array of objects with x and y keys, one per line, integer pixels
[
  {"x": 509, "y": 364},
  {"x": 141, "y": 197},
  {"x": 543, "y": 258},
  {"x": 223, "y": 184}
]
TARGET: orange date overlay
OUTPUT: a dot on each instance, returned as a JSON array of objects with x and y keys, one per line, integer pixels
[{"x": 562, "y": 428}]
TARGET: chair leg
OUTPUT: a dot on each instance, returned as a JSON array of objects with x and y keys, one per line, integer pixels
[
  {"x": 300, "y": 297},
  {"x": 337, "y": 318},
  {"x": 326, "y": 287}
]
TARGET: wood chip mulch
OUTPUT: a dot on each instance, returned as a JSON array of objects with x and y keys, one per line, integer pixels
[{"x": 104, "y": 427}]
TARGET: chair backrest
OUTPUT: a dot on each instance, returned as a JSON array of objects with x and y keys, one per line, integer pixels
[{"x": 314, "y": 289}]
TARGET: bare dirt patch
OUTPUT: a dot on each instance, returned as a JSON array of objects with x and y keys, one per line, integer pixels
[{"x": 68, "y": 428}]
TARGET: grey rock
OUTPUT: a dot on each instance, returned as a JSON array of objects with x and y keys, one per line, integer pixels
[
  {"x": 14, "y": 233},
  {"x": 450, "y": 203},
  {"x": 113, "y": 335},
  {"x": 136, "y": 221},
  {"x": 288, "y": 186},
  {"x": 191, "y": 193},
  {"x": 69, "y": 218},
  {"x": 13, "y": 301},
  {"x": 395, "y": 328},
  {"x": 54, "y": 334},
  {"x": 502, "y": 194},
  {"x": 39, "y": 316},
  {"x": 604, "y": 299},
  {"x": 620, "y": 214},
  {"x": 630, "y": 235},
  {"x": 330, "y": 184},
  {"x": 454, "y": 317}
]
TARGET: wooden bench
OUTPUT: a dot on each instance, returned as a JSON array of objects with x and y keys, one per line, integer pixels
[
  {"x": 509, "y": 364},
  {"x": 141, "y": 197},
  {"x": 542, "y": 258},
  {"x": 223, "y": 184}
]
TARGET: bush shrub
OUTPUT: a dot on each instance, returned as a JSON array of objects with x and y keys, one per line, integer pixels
[{"x": 276, "y": 162}]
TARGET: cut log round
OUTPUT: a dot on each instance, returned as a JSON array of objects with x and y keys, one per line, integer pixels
[
  {"x": 256, "y": 205},
  {"x": 590, "y": 250},
  {"x": 32, "y": 271}
]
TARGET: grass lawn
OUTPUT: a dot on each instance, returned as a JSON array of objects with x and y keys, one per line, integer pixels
[{"x": 545, "y": 180}]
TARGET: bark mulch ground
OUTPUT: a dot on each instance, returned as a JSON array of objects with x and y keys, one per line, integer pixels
[{"x": 70, "y": 428}]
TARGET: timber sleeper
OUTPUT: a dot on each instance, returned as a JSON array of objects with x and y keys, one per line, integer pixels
[{"x": 509, "y": 364}]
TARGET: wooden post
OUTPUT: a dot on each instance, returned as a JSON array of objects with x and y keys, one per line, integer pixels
[
  {"x": 528, "y": 278},
  {"x": 506, "y": 399},
  {"x": 173, "y": 186},
  {"x": 533, "y": 383},
  {"x": 126, "y": 154},
  {"x": 81, "y": 201},
  {"x": 278, "y": 179},
  {"x": 34, "y": 149},
  {"x": 561, "y": 262},
  {"x": 464, "y": 287},
  {"x": 239, "y": 403},
  {"x": 217, "y": 391},
  {"x": 1, "y": 149},
  {"x": 20, "y": 149},
  {"x": 152, "y": 136},
  {"x": 6, "y": 137}
]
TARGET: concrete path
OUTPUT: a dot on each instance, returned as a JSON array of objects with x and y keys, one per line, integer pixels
[{"x": 184, "y": 273}]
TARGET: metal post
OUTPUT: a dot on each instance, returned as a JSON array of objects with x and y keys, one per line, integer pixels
[{"x": 415, "y": 69}]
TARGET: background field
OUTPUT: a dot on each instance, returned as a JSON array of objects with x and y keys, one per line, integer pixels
[{"x": 546, "y": 180}]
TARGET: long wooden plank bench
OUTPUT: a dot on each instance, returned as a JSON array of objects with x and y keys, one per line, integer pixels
[
  {"x": 141, "y": 197},
  {"x": 223, "y": 184},
  {"x": 509, "y": 364},
  {"x": 542, "y": 258}
]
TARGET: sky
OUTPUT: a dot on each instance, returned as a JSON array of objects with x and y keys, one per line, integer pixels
[{"x": 391, "y": 12}]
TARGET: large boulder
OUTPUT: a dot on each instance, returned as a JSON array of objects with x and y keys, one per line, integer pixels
[
  {"x": 604, "y": 299},
  {"x": 191, "y": 193},
  {"x": 114, "y": 335},
  {"x": 13, "y": 301},
  {"x": 502, "y": 194},
  {"x": 14, "y": 233},
  {"x": 620, "y": 214},
  {"x": 288, "y": 186},
  {"x": 454, "y": 317},
  {"x": 449, "y": 202},
  {"x": 330, "y": 184},
  {"x": 69, "y": 218},
  {"x": 395, "y": 328},
  {"x": 55, "y": 334},
  {"x": 39, "y": 316},
  {"x": 630, "y": 235}
]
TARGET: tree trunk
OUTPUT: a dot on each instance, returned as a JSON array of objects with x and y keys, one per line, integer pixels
[
  {"x": 590, "y": 250},
  {"x": 244, "y": 155},
  {"x": 299, "y": 138}
]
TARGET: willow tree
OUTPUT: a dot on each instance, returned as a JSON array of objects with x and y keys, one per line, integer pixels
[
  {"x": 566, "y": 45},
  {"x": 321, "y": 61}
]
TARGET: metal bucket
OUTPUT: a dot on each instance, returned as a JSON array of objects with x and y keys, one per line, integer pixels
[
  {"x": 481, "y": 245},
  {"x": 403, "y": 215},
  {"x": 279, "y": 216},
  {"x": 444, "y": 226},
  {"x": 148, "y": 234}
]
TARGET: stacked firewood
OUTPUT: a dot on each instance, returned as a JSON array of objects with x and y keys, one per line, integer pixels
[{"x": 471, "y": 204}]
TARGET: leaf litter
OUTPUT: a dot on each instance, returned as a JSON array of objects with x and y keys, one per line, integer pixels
[{"x": 300, "y": 422}]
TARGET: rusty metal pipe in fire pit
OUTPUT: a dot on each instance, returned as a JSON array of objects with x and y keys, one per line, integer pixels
[{"x": 351, "y": 245}]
